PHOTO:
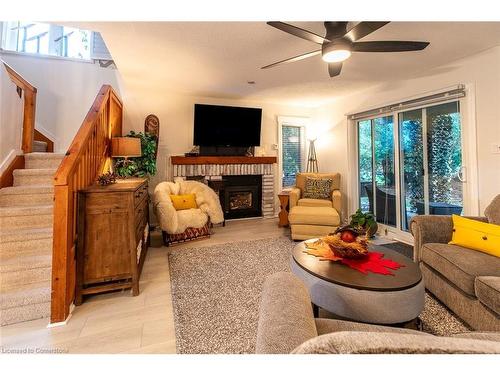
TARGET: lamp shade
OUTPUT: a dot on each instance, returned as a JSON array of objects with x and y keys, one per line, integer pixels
[{"x": 125, "y": 147}]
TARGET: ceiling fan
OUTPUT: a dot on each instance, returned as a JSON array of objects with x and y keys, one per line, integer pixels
[{"x": 339, "y": 42}]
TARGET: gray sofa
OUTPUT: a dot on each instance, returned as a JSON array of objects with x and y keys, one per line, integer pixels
[
  {"x": 466, "y": 281},
  {"x": 286, "y": 325}
]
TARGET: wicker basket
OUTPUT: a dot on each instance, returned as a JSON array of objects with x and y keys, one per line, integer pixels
[{"x": 352, "y": 250}]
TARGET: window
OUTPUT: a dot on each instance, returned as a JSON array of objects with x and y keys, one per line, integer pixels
[
  {"x": 52, "y": 40},
  {"x": 292, "y": 152}
]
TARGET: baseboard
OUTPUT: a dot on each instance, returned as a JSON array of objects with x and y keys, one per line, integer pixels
[
  {"x": 58, "y": 324},
  {"x": 8, "y": 159},
  {"x": 16, "y": 162}
]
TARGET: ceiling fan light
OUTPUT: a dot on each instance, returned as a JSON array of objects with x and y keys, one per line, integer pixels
[{"x": 337, "y": 55}]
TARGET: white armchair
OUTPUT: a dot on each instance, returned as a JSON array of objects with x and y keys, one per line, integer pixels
[{"x": 184, "y": 225}]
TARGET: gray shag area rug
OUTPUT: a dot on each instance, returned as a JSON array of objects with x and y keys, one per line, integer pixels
[{"x": 216, "y": 294}]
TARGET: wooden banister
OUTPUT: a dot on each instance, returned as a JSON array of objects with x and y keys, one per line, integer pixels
[
  {"x": 29, "y": 107},
  {"x": 87, "y": 157}
]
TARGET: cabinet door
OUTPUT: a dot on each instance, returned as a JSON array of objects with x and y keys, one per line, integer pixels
[{"x": 107, "y": 250}]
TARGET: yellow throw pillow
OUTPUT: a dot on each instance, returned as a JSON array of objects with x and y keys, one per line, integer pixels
[
  {"x": 184, "y": 201},
  {"x": 476, "y": 235}
]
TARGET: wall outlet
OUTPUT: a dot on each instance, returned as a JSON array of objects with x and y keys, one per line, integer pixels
[{"x": 495, "y": 148}]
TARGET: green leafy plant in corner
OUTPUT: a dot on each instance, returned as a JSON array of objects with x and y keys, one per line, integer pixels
[
  {"x": 365, "y": 222},
  {"x": 141, "y": 166}
]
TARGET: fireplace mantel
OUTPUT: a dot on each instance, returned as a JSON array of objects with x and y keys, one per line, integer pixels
[{"x": 222, "y": 160}]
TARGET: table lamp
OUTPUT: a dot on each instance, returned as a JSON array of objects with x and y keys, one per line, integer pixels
[{"x": 125, "y": 147}]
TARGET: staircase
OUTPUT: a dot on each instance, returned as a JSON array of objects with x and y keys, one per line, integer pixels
[{"x": 26, "y": 220}]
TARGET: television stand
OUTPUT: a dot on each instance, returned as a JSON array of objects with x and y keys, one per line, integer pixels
[{"x": 225, "y": 151}]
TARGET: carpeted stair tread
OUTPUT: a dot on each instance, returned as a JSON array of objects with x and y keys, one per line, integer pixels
[
  {"x": 26, "y": 195},
  {"x": 37, "y": 160},
  {"x": 39, "y": 146},
  {"x": 20, "y": 314},
  {"x": 44, "y": 155},
  {"x": 25, "y": 295},
  {"x": 28, "y": 234},
  {"x": 22, "y": 277},
  {"x": 17, "y": 217},
  {"x": 26, "y": 262},
  {"x": 35, "y": 176},
  {"x": 12, "y": 250},
  {"x": 26, "y": 211},
  {"x": 34, "y": 172},
  {"x": 28, "y": 189}
]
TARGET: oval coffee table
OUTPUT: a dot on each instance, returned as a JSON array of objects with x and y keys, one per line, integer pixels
[{"x": 369, "y": 298}]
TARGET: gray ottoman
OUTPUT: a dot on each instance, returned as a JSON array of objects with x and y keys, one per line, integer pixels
[{"x": 370, "y": 298}]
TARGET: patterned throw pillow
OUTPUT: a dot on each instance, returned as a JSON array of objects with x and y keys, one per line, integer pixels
[{"x": 318, "y": 188}]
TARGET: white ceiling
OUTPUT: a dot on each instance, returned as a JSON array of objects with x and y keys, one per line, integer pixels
[{"x": 216, "y": 59}]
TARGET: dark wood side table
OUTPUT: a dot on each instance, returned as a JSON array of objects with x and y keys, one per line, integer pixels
[{"x": 284, "y": 202}]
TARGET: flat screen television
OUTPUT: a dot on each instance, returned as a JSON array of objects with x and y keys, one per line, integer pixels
[{"x": 216, "y": 125}]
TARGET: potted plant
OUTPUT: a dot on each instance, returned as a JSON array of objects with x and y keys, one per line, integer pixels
[
  {"x": 144, "y": 165},
  {"x": 364, "y": 222}
]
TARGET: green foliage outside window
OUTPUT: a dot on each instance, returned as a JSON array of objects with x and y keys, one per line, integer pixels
[
  {"x": 292, "y": 154},
  {"x": 411, "y": 139},
  {"x": 445, "y": 158}
]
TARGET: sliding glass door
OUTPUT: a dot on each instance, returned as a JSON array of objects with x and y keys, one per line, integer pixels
[
  {"x": 431, "y": 161},
  {"x": 365, "y": 162},
  {"x": 413, "y": 168},
  {"x": 376, "y": 168},
  {"x": 411, "y": 151}
]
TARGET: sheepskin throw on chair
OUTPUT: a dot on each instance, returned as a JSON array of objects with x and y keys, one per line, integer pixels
[{"x": 184, "y": 225}]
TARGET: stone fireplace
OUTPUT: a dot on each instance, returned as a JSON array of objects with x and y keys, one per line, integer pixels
[{"x": 245, "y": 184}]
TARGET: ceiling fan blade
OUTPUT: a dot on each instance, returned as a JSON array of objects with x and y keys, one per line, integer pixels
[
  {"x": 362, "y": 29},
  {"x": 292, "y": 59},
  {"x": 389, "y": 46},
  {"x": 334, "y": 69},
  {"x": 297, "y": 31}
]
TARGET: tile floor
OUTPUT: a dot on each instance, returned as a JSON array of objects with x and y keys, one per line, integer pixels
[
  {"x": 116, "y": 322},
  {"x": 119, "y": 323}
]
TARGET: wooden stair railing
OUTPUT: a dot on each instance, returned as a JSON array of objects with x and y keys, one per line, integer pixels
[
  {"x": 29, "y": 91},
  {"x": 87, "y": 157}
]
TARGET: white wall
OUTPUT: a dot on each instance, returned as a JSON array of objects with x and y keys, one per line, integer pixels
[
  {"x": 480, "y": 72},
  {"x": 11, "y": 109},
  {"x": 176, "y": 114},
  {"x": 66, "y": 90}
]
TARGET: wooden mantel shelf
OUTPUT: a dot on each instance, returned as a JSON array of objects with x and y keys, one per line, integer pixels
[{"x": 193, "y": 160}]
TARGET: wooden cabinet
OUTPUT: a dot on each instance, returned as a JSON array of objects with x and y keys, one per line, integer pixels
[{"x": 113, "y": 237}]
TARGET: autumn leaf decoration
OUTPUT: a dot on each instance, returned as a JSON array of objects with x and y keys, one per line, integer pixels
[
  {"x": 373, "y": 262},
  {"x": 321, "y": 250}
]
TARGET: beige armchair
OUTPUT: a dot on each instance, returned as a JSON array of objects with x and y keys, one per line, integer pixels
[{"x": 314, "y": 217}]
